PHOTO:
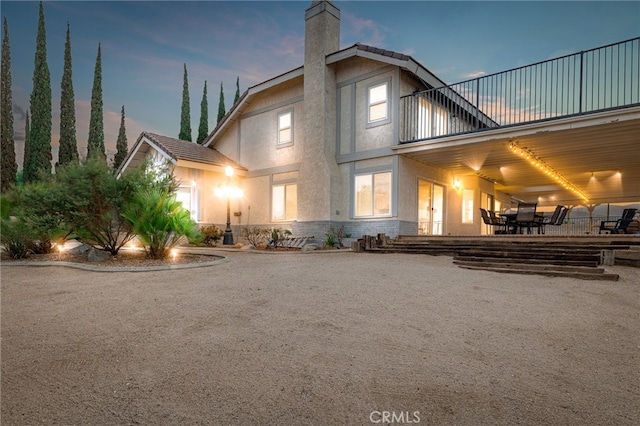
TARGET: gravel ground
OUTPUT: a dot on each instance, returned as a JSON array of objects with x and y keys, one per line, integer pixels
[{"x": 318, "y": 339}]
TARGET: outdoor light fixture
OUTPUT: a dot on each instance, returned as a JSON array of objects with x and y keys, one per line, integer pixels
[
  {"x": 549, "y": 171},
  {"x": 228, "y": 192}
]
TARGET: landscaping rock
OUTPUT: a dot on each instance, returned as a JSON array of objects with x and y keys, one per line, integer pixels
[
  {"x": 98, "y": 255},
  {"x": 309, "y": 247}
]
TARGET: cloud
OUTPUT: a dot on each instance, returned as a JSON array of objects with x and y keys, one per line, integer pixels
[
  {"x": 366, "y": 31},
  {"x": 474, "y": 74}
]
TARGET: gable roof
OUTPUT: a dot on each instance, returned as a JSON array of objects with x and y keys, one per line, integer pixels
[
  {"x": 178, "y": 152},
  {"x": 362, "y": 50}
]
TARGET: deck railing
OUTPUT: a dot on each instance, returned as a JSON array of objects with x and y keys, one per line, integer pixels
[{"x": 595, "y": 80}]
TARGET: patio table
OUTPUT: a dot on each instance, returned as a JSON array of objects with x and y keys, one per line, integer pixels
[{"x": 512, "y": 224}]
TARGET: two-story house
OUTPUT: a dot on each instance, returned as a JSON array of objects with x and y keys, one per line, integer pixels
[
  {"x": 312, "y": 147},
  {"x": 319, "y": 145}
]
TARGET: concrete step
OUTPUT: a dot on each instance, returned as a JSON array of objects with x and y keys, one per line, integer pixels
[
  {"x": 501, "y": 260},
  {"x": 550, "y": 273},
  {"x": 532, "y": 267}
]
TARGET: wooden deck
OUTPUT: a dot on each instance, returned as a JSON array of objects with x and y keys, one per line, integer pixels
[{"x": 567, "y": 256}]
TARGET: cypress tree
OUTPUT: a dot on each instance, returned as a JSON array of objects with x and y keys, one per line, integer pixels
[
  {"x": 121, "y": 144},
  {"x": 95, "y": 144},
  {"x": 185, "y": 116},
  {"x": 221, "y": 111},
  {"x": 203, "y": 130},
  {"x": 39, "y": 158},
  {"x": 68, "y": 143},
  {"x": 27, "y": 136},
  {"x": 237, "y": 90},
  {"x": 9, "y": 168}
]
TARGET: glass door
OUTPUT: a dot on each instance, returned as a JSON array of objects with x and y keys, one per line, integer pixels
[{"x": 430, "y": 208}]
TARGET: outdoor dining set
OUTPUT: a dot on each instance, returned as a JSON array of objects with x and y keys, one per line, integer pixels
[{"x": 526, "y": 218}]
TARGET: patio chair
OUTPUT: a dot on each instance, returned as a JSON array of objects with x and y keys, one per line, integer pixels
[
  {"x": 553, "y": 219},
  {"x": 526, "y": 217},
  {"x": 492, "y": 220},
  {"x": 618, "y": 226}
]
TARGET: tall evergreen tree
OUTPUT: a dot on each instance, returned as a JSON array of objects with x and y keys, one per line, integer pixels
[
  {"x": 39, "y": 159},
  {"x": 237, "y": 97},
  {"x": 185, "y": 116},
  {"x": 221, "y": 110},
  {"x": 8, "y": 168},
  {"x": 68, "y": 152},
  {"x": 121, "y": 144},
  {"x": 95, "y": 144},
  {"x": 27, "y": 136},
  {"x": 203, "y": 130}
]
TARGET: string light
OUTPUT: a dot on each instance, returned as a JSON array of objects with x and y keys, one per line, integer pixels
[{"x": 549, "y": 171}]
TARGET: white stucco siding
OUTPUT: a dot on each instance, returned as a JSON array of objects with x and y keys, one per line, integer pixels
[
  {"x": 409, "y": 173},
  {"x": 228, "y": 143},
  {"x": 259, "y": 138},
  {"x": 370, "y": 136},
  {"x": 256, "y": 205},
  {"x": 345, "y": 119}
]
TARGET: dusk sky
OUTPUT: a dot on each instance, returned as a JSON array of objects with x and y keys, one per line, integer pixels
[{"x": 146, "y": 43}]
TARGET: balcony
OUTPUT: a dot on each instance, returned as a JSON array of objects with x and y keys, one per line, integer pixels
[{"x": 596, "y": 80}]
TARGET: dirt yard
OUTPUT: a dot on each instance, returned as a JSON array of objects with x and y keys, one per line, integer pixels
[{"x": 318, "y": 339}]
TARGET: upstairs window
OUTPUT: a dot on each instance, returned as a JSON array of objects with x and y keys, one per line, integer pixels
[
  {"x": 378, "y": 98},
  {"x": 285, "y": 128}
]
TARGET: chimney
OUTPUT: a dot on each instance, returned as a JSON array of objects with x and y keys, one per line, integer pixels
[{"x": 319, "y": 176}]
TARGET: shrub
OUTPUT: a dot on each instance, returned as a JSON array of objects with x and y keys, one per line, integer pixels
[
  {"x": 94, "y": 199},
  {"x": 38, "y": 206},
  {"x": 16, "y": 238},
  {"x": 334, "y": 236},
  {"x": 211, "y": 234},
  {"x": 278, "y": 236},
  {"x": 256, "y": 236},
  {"x": 159, "y": 221}
]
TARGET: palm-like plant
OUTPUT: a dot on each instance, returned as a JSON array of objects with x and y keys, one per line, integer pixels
[{"x": 159, "y": 221}]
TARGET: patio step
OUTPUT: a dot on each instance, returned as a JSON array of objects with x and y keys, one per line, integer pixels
[
  {"x": 589, "y": 274},
  {"x": 559, "y": 257},
  {"x": 465, "y": 257}
]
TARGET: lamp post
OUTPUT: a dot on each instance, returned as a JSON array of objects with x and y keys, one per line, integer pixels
[{"x": 229, "y": 192}]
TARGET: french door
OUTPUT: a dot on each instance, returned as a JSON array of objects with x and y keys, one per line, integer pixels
[{"x": 430, "y": 208}]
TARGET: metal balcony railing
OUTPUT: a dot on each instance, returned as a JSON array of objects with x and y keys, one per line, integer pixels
[{"x": 595, "y": 80}]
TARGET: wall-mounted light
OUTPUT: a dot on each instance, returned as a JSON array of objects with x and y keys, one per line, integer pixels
[
  {"x": 548, "y": 170},
  {"x": 457, "y": 184}
]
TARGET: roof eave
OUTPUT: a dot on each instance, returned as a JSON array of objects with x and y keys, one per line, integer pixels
[{"x": 228, "y": 119}]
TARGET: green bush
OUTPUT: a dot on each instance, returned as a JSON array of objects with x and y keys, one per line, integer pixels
[
  {"x": 93, "y": 199},
  {"x": 159, "y": 221},
  {"x": 211, "y": 234},
  {"x": 16, "y": 238}
]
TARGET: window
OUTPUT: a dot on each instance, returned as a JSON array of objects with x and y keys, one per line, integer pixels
[
  {"x": 188, "y": 196},
  {"x": 285, "y": 128},
  {"x": 378, "y": 103},
  {"x": 284, "y": 202},
  {"x": 467, "y": 205},
  {"x": 373, "y": 194},
  {"x": 432, "y": 119}
]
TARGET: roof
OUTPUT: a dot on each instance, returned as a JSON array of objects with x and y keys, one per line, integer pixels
[
  {"x": 383, "y": 52},
  {"x": 386, "y": 56},
  {"x": 184, "y": 150},
  {"x": 177, "y": 151}
]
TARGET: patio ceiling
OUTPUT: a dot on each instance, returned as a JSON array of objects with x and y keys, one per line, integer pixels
[{"x": 599, "y": 154}]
